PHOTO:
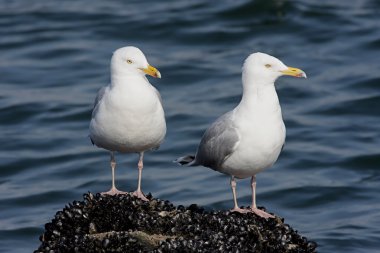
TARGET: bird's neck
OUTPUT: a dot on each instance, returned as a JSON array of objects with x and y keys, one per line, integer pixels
[
  {"x": 259, "y": 97},
  {"x": 121, "y": 78}
]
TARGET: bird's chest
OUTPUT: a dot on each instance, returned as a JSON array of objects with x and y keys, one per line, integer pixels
[
  {"x": 262, "y": 137},
  {"x": 261, "y": 141},
  {"x": 131, "y": 117},
  {"x": 131, "y": 107}
]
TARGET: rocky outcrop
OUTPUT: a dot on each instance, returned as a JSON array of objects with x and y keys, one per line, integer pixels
[{"x": 124, "y": 223}]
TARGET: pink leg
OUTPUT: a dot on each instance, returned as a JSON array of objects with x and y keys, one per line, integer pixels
[
  {"x": 113, "y": 190},
  {"x": 138, "y": 193},
  {"x": 236, "y": 207},
  {"x": 254, "y": 208}
]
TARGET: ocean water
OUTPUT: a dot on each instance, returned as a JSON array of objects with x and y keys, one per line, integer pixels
[{"x": 54, "y": 56}]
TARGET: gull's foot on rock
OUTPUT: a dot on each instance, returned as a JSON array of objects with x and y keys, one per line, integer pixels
[
  {"x": 140, "y": 195},
  {"x": 261, "y": 213},
  {"x": 239, "y": 210},
  {"x": 114, "y": 191}
]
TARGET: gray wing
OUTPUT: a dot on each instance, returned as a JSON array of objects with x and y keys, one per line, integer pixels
[
  {"x": 218, "y": 142},
  {"x": 99, "y": 97}
]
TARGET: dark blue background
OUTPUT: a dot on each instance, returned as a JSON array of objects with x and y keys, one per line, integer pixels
[{"x": 54, "y": 56}]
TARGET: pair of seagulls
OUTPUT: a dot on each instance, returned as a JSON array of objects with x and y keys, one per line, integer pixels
[{"x": 128, "y": 117}]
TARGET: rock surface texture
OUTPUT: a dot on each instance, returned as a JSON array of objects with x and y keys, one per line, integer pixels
[{"x": 123, "y": 223}]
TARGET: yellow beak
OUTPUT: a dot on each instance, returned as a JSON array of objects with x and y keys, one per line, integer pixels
[
  {"x": 294, "y": 72},
  {"x": 152, "y": 71}
]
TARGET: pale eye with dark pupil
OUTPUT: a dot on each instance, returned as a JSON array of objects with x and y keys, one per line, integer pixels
[
  {"x": 129, "y": 61},
  {"x": 268, "y": 65}
]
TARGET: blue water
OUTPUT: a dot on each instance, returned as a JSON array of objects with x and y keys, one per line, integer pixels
[{"x": 54, "y": 56}]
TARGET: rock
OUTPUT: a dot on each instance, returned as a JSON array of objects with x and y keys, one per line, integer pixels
[{"x": 124, "y": 223}]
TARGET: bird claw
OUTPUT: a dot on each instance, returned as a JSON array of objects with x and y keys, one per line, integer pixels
[
  {"x": 238, "y": 210},
  {"x": 261, "y": 213},
  {"x": 140, "y": 195},
  {"x": 114, "y": 191}
]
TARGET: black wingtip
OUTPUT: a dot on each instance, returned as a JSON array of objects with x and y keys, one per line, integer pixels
[{"x": 184, "y": 160}]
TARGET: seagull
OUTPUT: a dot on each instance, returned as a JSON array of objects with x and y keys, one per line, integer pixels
[
  {"x": 248, "y": 139},
  {"x": 128, "y": 116}
]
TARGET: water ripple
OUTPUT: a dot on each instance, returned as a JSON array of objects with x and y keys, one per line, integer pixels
[{"x": 55, "y": 56}]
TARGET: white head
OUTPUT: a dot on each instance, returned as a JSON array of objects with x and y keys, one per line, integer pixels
[
  {"x": 129, "y": 61},
  {"x": 263, "y": 69}
]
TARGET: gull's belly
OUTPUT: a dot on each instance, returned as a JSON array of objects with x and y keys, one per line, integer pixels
[
  {"x": 128, "y": 128},
  {"x": 257, "y": 150}
]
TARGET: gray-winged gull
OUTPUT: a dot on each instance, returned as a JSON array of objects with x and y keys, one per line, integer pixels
[
  {"x": 248, "y": 139},
  {"x": 128, "y": 116}
]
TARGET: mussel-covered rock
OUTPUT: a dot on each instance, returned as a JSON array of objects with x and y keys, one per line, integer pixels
[{"x": 123, "y": 223}]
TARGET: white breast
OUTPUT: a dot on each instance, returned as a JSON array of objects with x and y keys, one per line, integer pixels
[
  {"x": 262, "y": 135},
  {"x": 130, "y": 118}
]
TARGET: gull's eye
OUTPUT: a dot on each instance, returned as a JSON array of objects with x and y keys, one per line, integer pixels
[
  {"x": 268, "y": 66},
  {"x": 129, "y": 61}
]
